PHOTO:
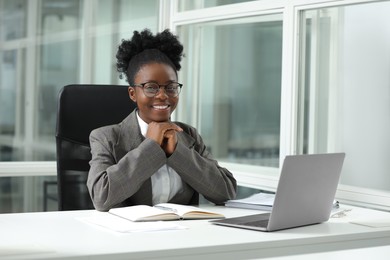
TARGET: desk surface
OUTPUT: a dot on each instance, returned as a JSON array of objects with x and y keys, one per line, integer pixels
[{"x": 49, "y": 235}]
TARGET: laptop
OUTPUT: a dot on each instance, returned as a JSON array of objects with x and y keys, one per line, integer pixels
[{"x": 304, "y": 196}]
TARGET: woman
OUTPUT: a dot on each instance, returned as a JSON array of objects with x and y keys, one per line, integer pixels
[{"x": 148, "y": 159}]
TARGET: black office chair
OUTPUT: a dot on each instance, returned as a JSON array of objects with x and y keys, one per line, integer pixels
[{"x": 82, "y": 108}]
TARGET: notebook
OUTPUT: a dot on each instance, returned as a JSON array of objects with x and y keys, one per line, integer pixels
[{"x": 304, "y": 196}]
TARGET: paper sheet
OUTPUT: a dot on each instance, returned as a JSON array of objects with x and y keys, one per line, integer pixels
[
  {"x": 372, "y": 222},
  {"x": 118, "y": 224}
]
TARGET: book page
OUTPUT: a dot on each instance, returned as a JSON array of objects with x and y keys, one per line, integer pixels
[
  {"x": 143, "y": 213},
  {"x": 186, "y": 211}
]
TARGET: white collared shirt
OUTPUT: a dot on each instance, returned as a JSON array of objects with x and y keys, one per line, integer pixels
[{"x": 165, "y": 182}]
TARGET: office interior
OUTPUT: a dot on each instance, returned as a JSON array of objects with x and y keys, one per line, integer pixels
[{"x": 262, "y": 79}]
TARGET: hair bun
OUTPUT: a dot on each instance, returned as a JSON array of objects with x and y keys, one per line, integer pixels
[{"x": 164, "y": 41}]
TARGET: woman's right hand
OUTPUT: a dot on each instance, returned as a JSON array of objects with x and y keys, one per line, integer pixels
[{"x": 164, "y": 133}]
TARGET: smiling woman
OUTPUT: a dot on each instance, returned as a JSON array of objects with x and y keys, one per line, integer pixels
[{"x": 147, "y": 158}]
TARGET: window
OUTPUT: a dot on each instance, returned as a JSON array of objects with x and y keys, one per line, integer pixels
[
  {"x": 233, "y": 69},
  {"x": 262, "y": 79},
  {"x": 344, "y": 101},
  {"x": 68, "y": 45},
  {"x": 45, "y": 45},
  {"x": 329, "y": 93}
]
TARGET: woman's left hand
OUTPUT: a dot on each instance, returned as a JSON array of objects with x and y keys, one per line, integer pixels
[{"x": 169, "y": 142}]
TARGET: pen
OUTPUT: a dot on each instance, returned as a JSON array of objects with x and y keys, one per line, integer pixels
[
  {"x": 166, "y": 208},
  {"x": 340, "y": 213}
]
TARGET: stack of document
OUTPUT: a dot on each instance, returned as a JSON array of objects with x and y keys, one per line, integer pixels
[{"x": 260, "y": 201}]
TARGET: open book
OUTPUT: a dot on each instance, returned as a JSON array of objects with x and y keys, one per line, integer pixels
[{"x": 163, "y": 211}]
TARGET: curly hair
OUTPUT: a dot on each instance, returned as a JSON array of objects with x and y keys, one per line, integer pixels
[{"x": 144, "y": 48}]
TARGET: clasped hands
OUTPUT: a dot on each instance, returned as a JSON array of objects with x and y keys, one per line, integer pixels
[{"x": 164, "y": 133}]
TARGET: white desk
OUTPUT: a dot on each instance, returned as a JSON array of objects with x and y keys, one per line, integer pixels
[{"x": 61, "y": 235}]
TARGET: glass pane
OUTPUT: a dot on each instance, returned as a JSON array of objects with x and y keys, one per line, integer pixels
[
  {"x": 12, "y": 75},
  {"x": 60, "y": 15},
  {"x": 138, "y": 11},
  {"x": 8, "y": 93},
  {"x": 103, "y": 65},
  {"x": 28, "y": 194},
  {"x": 185, "y": 5},
  {"x": 13, "y": 22},
  {"x": 345, "y": 93},
  {"x": 59, "y": 66},
  {"x": 143, "y": 14},
  {"x": 232, "y": 74}
]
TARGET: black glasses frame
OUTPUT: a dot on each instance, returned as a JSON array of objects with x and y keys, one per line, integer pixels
[{"x": 152, "y": 94}]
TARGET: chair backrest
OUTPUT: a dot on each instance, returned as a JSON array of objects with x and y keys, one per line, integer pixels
[{"x": 82, "y": 108}]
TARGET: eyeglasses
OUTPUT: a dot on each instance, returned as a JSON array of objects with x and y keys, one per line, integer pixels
[{"x": 151, "y": 89}]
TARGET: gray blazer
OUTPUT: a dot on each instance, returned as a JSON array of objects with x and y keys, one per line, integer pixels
[{"x": 123, "y": 162}]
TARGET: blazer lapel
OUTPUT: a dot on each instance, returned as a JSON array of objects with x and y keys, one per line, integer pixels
[
  {"x": 185, "y": 139},
  {"x": 129, "y": 138}
]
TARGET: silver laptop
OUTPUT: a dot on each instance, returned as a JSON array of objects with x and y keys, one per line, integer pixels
[{"x": 304, "y": 196}]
